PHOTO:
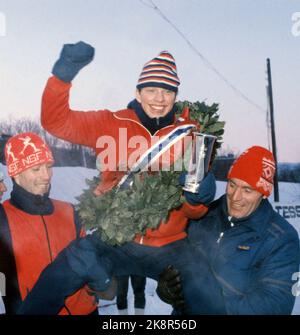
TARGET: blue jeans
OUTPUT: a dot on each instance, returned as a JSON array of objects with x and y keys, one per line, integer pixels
[
  {"x": 90, "y": 261},
  {"x": 146, "y": 261}
]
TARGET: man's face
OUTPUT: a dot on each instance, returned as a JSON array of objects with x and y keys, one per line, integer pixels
[
  {"x": 3, "y": 189},
  {"x": 156, "y": 101},
  {"x": 242, "y": 199},
  {"x": 36, "y": 180}
]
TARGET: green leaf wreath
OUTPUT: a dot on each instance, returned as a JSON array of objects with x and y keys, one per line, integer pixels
[{"x": 120, "y": 214}]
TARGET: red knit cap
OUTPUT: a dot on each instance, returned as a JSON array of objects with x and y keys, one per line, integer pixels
[
  {"x": 255, "y": 166},
  {"x": 24, "y": 151},
  {"x": 161, "y": 72}
]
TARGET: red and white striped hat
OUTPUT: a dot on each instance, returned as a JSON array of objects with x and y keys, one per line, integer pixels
[{"x": 161, "y": 72}]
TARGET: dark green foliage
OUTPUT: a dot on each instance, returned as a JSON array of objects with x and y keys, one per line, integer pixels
[
  {"x": 119, "y": 215},
  {"x": 207, "y": 116}
]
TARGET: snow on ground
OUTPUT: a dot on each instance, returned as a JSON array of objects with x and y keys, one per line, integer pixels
[{"x": 68, "y": 183}]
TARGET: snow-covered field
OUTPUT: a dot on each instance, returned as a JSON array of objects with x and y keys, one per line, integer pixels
[{"x": 69, "y": 182}]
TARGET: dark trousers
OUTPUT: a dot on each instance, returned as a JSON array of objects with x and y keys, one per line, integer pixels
[{"x": 138, "y": 285}]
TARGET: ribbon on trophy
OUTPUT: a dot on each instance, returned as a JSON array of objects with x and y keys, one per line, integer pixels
[{"x": 154, "y": 153}]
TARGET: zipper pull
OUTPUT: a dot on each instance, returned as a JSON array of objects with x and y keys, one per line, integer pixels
[{"x": 220, "y": 237}]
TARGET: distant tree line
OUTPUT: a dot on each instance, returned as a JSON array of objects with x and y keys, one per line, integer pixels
[
  {"x": 68, "y": 154},
  {"x": 287, "y": 172},
  {"x": 65, "y": 153}
]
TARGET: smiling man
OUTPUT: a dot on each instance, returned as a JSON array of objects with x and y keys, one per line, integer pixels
[
  {"x": 245, "y": 253},
  {"x": 242, "y": 199},
  {"x": 242, "y": 254},
  {"x": 151, "y": 115},
  {"x": 34, "y": 229}
]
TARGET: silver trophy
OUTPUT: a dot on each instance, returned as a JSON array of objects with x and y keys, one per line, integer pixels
[{"x": 201, "y": 151}]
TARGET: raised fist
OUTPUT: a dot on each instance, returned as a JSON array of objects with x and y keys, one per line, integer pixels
[{"x": 73, "y": 58}]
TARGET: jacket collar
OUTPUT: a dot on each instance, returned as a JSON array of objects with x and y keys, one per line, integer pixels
[
  {"x": 152, "y": 124},
  {"x": 258, "y": 221},
  {"x": 127, "y": 114},
  {"x": 136, "y": 113},
  {"x": 31, "y": 203}
]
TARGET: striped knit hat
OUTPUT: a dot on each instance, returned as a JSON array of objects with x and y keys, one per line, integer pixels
[{"x": 161, "y": 72}]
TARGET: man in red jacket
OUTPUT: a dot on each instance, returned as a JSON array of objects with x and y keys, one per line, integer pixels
[
  {"x": 148, "y": 120},
  {"x": 34, "y": 229},
  {"x": 149, "y": 124}
]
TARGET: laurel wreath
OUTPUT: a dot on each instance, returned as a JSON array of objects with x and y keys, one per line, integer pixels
[{"x": 120, "y": 214}]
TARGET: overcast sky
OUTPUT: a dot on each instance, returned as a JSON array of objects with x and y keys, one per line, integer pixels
[{"x": 235, "y": 36}]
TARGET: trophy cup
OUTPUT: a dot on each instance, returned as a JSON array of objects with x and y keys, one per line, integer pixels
[{"x": 201, "y": 151}]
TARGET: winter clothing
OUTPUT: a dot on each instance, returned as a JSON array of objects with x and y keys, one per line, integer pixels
[
  {"x": 138, "y": 285},
  {"x": 72, "y": 59},
  {"x": 95, "y": 129},
  {"x": 25, "y": 151},
  {"x": 161, "y": 72},
  {"x": 152, "y": 124},
  {"x": 243, "y": 266},
  {"x": 206, "y": 192},
  {"x": 128, "y": 259},
  {"x": 34, "y": 229},
  {"x": 260, "y": 175},
  {"x": 92, "y": 128}
]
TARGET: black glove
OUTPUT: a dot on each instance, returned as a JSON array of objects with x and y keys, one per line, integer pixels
[
  {"x": 169, "y": 288},
  {"x": 73, "y": 58}
]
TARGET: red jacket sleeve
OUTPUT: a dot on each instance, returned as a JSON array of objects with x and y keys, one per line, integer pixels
[
  {"x": 194, "y": 212},
  {"x": 59, "y": 120}
]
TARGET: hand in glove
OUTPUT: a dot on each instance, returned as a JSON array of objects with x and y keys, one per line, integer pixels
[
  {"x": 169, "y": 288},
  {"x": 73, "y": 58},
  {"x": 206, "y": 192}
]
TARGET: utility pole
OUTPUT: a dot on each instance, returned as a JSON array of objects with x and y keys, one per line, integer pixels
[{"x": 274, "y": 148}]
